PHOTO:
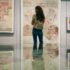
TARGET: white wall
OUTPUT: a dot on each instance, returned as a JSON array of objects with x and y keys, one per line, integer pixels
[{"x": 63, "y": 36}]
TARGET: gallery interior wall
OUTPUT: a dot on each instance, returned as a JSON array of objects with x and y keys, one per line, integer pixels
[
  {"x": 68, "y": 34},
  {"x": 14, "y": 39},
  {"x": 64, "y": 36}
]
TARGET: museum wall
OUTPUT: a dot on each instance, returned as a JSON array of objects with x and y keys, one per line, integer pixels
[
  {"x": 64, "y": 35},
  {"x": 68, "y": 34},
  {"x": 14, "y": 39}
]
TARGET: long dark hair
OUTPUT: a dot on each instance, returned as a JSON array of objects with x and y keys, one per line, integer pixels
[{"x": 39, "y": 14}]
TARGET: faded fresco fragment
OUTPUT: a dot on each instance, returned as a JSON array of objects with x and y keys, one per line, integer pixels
[
  {"x": 6, "y": 60},
  {"x": 51, "y": 22},
  {"x": 51, "y": 46},
  {"x": 6, "y": 15}
]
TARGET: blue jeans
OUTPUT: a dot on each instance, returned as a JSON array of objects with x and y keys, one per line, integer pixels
[{"x": 37, "y": 33}]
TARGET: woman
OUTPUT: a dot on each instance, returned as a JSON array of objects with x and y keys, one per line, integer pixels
[{"x": 38, "y": 23}]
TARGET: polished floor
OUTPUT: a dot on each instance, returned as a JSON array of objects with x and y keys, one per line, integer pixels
[{"x": 50, "y": 59}]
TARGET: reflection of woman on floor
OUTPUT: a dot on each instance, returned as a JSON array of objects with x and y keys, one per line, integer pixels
[{"x": 38, "y": 22}]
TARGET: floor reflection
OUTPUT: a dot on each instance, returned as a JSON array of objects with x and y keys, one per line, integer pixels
[
  {"x": 49, "y": 60},
  {"x": 38, "y": 61},
  {"x": 38, "y": 64}
]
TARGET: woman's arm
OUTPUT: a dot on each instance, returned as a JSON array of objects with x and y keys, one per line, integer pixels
[{"x": 33, "y": 20}]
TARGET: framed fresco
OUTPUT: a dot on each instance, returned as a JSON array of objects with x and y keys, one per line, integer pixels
[
  {"x": 51, "y": 35},
  {"x": 68, "y": 23},
  {"x": 6, "y": 16},
  {"x": 6, "y": 57},
  {"x": 6, "y": 60},
  {"x": 68, "y": 60}
]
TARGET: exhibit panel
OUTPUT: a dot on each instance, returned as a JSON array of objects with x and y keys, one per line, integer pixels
[
  {"x": 6, "y": 16},
  {"x": 6, "y": 57},
  {"x": 51, "y": 35},
  {"x": 6, "y": 60}
]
